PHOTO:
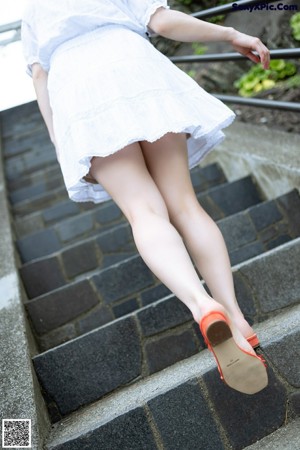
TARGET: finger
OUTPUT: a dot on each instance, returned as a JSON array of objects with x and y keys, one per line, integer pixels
[
  {"x": 253, "y": 57},
  {"x": 264, "y": 54},
  {"x": 266, "y": 59}
]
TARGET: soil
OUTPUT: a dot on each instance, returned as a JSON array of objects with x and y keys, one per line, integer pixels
[{"x": 279, "y": 119}]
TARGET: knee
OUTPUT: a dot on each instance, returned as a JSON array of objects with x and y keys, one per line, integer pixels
[
  {"x": 142, "y": 212},
  {"x": 186, "y": 210}
]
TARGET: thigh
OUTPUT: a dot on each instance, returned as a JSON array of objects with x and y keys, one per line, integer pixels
[
  {"x": 125, "y": 176},
  {"x": 167, "y": 162}
]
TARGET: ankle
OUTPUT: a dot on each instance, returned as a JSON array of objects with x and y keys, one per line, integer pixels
[{"x": 207, "y": 306}]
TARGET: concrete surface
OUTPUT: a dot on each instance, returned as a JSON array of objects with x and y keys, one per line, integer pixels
[
  {"x": 20, "y": 394},
  {"x": 286, "y": 438},
  {"x": 275, "y": 162}
]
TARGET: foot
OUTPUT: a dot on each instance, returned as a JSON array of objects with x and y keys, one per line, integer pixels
[
  {"x": 241, "y": 323},
  {"x": 239, "y": 326},
  {"x": 238, "y": 335}
]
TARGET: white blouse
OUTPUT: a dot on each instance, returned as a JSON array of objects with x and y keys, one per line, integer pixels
[{"x": 46, "y": 24}]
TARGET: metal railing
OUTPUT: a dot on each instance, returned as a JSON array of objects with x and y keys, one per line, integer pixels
[
  {"x": 262, "y": 103},
  {"x": 217, "y": 57},
  {"x": 214, "y": 57},
  {"x": 9, "y": 27}
]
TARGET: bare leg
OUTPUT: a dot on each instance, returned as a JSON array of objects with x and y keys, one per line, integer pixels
[
  {"x": 125, "y": 176},
  {"x": 167, "y": 162}
]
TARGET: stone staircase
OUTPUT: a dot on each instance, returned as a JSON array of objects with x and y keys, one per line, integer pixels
[{"x": 119, "y": 360}]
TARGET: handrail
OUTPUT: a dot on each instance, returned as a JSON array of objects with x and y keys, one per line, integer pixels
[
  {"x": 13, "y": 26},
  {"x": 271, "y": 104},
  {"x": 259, "y": 102},
  {"x": 214, "y": 57},
  {"x": 6, "y": 28}
]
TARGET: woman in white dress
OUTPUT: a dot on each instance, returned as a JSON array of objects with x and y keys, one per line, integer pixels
[{"x": 128, "y": 124}]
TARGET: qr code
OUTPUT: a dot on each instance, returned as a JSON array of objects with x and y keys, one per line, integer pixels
[{"x": 16, "y": 433}]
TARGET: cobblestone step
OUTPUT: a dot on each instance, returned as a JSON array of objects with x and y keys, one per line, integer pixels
[
  {"x": 203, "y": 179},
  {"x": 173, "y": 409},
  {"x": 149, "y": 339},
  {"x": 44, "y": 175},
  {"x": 40, "y": 155},
  {"x": 247, "y": 234},
  {"x": 26, "y": 145},
  {"x": 17, "y": 145},
  {"x": 219, "y": 202},
  {"x": 40, "y": 202},
  {"x": 20, "y": 121},
  {"x": 39, "y": 220},
  {"x": 36, "y": 190}
]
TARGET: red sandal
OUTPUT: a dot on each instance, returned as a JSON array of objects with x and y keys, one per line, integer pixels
[
  {"x": 239, "y": 369},
  {"x": 253, "y": 340}
]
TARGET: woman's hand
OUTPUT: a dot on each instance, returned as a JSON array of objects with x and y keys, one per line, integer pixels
[
  {"x": 182, "y": 27},
  {"x": 247, "y": 45}
]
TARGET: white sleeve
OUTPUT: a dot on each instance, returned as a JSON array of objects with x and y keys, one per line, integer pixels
[
  {"x": 143, "y": 10},
  {"x": 30, "y": 46}
]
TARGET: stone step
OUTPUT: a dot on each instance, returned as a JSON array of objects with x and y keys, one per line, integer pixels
[
  {"x": 21, "y": 120},
  {"x": 203, "y": 178},
  {"x": 285, "y": 438},
  {"x": 185, "y": 406},
  {"x": 219, "y": 202},
  {"x": 39, "y": 220},
  {"x": 73, "y": 261},
  {"x": 26, "y": 145},
  {"x": 40, "y": 155},
  {"x": 247, "y": 234},
  {"x": 17, "y": 146},
  {"x": 147, "y": 340},
  {"x": 36, "y": 190},
  {"x": 44, "y": 175},
  {"x": 40, "y": 202}
]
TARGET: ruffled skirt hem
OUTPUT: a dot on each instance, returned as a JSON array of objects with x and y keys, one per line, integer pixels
[{"x": 84, "y": 191}]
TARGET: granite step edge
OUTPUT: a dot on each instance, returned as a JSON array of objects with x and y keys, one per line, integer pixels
[{"x": 285, "y": 438}]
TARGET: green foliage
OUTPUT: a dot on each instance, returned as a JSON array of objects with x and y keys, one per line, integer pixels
[
  {"x": 293, "y": 82},
  {"x": 295, "y": 25},
  {"x": 257, "y": 79},
  {"x": 220, "y": 17},
  {"x": 192, "y": 73},
  {"x": 216, "y": 19},
  {"x": 198, "y": 48}
]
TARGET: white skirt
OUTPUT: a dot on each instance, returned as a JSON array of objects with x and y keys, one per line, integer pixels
[{"x": 112, "y": 87}]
